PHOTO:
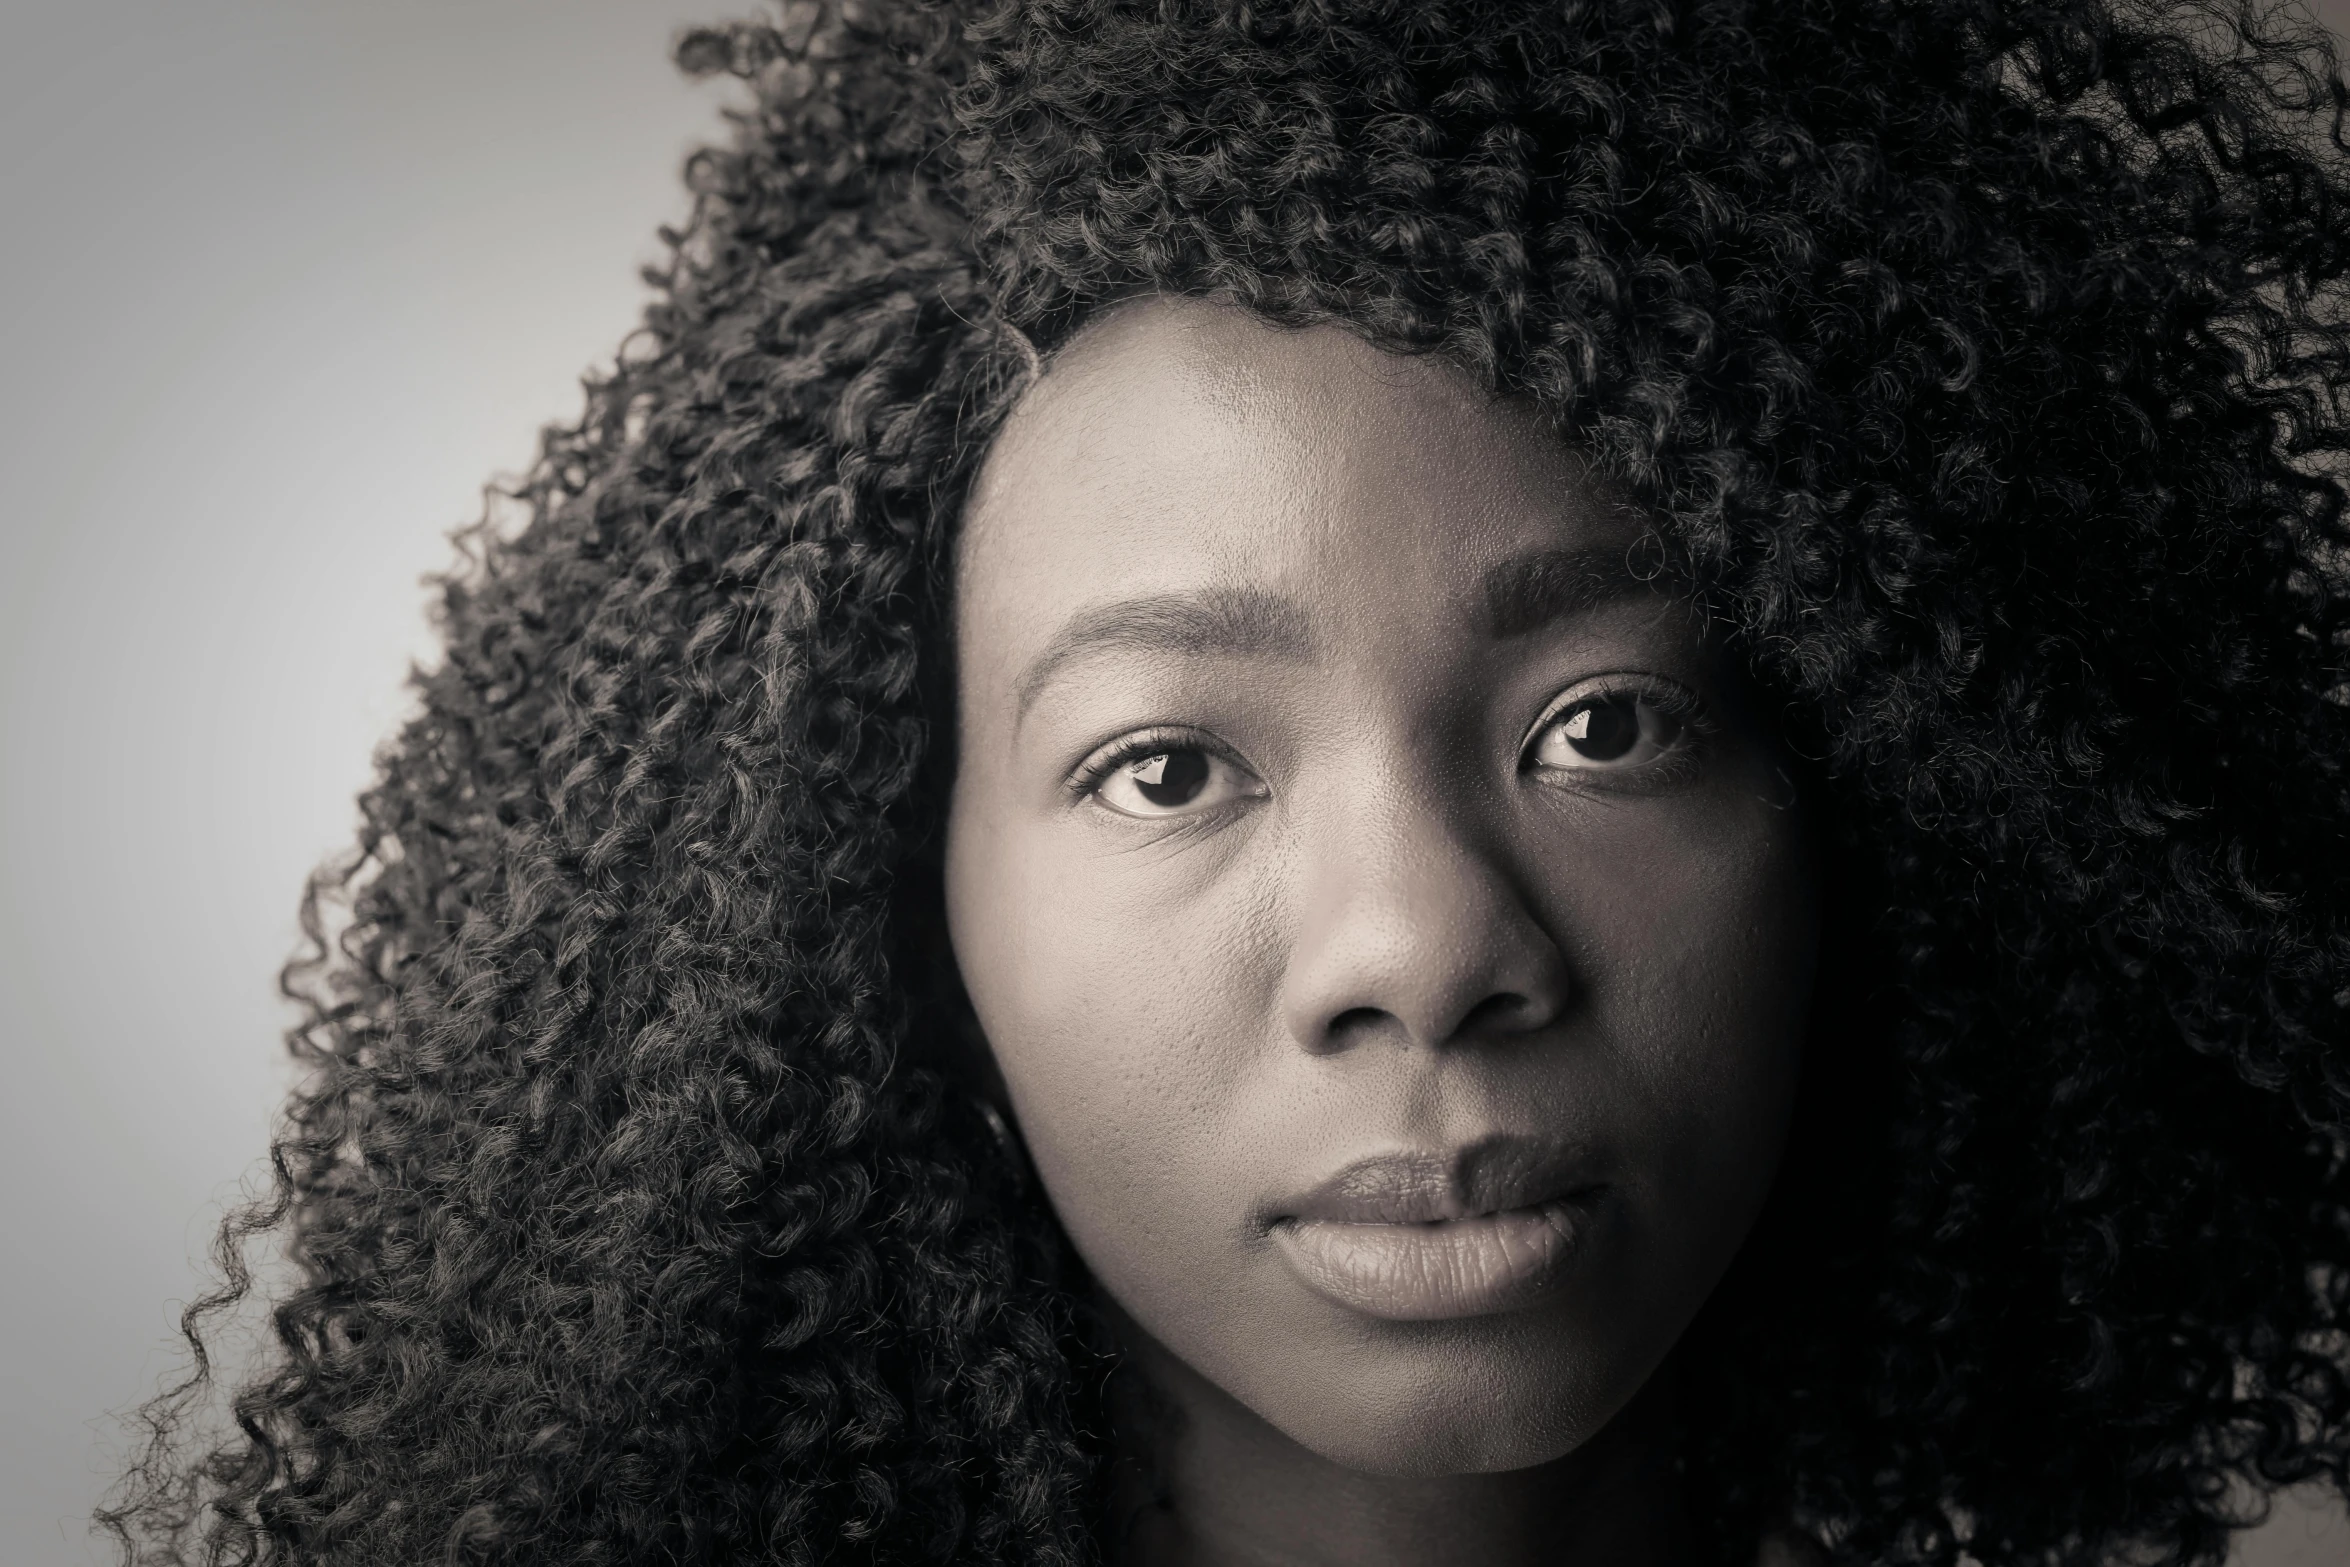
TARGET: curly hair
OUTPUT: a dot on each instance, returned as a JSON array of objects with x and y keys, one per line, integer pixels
[{"x": 1979, "y": 361}]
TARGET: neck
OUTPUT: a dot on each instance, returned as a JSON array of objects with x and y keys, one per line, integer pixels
[{"x": 1204, "y": 1482}]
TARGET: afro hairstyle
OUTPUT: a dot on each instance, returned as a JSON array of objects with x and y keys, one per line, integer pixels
[{"x": 1979, "y": 362}]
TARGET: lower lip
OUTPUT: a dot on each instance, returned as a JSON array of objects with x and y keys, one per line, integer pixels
[{"x": 1495, "y": 1262}]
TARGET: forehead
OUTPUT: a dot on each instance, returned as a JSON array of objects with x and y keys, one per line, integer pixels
[{"x": 1179, "y": 446}]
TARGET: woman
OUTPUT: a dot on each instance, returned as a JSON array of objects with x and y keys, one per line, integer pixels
[{"x": 1374, "y": 783}]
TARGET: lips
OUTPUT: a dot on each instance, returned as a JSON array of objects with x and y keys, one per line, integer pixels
[{"x": 1423, "y": 1236}]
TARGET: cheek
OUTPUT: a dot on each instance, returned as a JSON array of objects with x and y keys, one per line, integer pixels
[
  {"x": 1127, "y": 1012},
  {"x": 1701, "y": 969}
]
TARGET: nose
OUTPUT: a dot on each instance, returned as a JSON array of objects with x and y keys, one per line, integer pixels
[{"x": 1411, "y": 926}]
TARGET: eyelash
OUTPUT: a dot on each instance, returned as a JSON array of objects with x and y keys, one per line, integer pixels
[
  {"x": 1678, "y": 701},
  {"x": 1134, "y": 747}
]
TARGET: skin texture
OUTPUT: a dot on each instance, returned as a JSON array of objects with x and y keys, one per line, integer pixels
[{"x": 1389, "y": 929}]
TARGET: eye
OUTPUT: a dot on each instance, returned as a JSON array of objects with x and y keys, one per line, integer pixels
[
  {"x": 1611, "y": 731},
  {"x": 1172, "y": 780}
]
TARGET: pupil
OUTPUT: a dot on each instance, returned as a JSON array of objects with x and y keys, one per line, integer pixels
[
  {"x": 1604, "y": 731},
  {"x": 1172, "y": 777}
]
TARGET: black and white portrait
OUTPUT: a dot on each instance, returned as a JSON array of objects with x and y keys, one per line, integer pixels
[{"x": 1177, "y": 783}]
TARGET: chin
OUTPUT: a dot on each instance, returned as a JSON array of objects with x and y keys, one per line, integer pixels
[
  {"x": 1433, "y": 1415},
  {"x": 1429, "y": 1454}
]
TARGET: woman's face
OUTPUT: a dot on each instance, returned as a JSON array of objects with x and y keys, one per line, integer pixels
[{"x": 1393, "y": 934}]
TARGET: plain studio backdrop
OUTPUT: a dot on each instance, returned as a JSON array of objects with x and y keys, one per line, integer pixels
[{"x": 284, "y": 282}]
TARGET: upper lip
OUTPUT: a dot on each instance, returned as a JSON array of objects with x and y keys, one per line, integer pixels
[{"x": 1427, "y": 1186}]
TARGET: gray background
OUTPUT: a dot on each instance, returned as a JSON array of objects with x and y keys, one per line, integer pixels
[{"x": 282, "y": 282}]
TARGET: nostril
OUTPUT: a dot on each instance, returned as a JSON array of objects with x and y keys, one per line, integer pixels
[
  {"x": 1502, "y": 1012},
  {"x": 1354, "y": 1020}
]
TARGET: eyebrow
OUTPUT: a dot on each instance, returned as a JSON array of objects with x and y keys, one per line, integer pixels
[
  {"x": 1242, "y": 622},
  {"x": 1528, "y": 592}
]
